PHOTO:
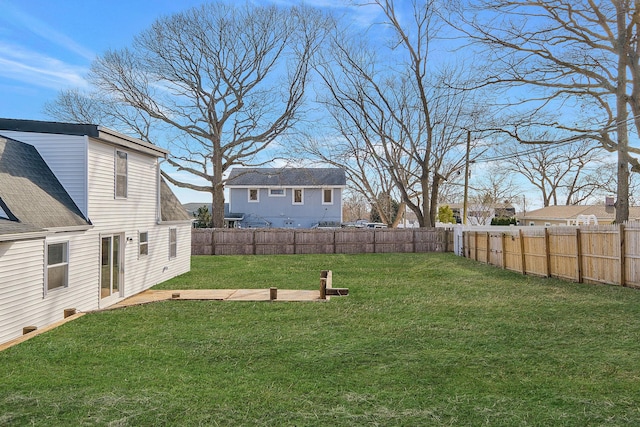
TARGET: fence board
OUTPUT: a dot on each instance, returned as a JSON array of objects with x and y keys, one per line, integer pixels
[
  {"x": 535, "y": 253},
  {"x": 597, "y": 254},
  {"x": 290, "y": 241},
  {"x": 632, "y": 254}
]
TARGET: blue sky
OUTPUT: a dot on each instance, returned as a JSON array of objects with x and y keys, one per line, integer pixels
[{"x": 48, "y": 45}]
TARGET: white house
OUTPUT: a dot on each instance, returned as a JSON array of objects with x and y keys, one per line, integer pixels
[
  {"x": 286, "y": 198},
  {"x": 85, "y": 221}
]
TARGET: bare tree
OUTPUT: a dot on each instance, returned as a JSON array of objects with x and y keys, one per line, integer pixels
[
  {"x": 577, "y": 59},
  {"x": 562, "y": 174},
  {"x": 224, "y": 82},
  {"x": 491, "y": 193},
  {"x": 401, "y": 118}
]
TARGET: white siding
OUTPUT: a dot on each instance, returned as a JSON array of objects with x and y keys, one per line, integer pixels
[
  {"x": 66, "y": 156},
  {"x": 135, "y": 214},
  {"x": 22, "y": 298}
]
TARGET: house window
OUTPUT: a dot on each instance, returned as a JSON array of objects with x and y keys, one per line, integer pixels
[
  {"x": 57, "y": 265},
  {"x": 143, "y": 243},
  {"x": 253, "y": 195},
  {"x": 298, "y": 196},
  {"x": 173, "y": 242},
  {"x": 121, "y": 174},
  {"x": 327, "y": 196},
  {"x": 276, "y": 192}
]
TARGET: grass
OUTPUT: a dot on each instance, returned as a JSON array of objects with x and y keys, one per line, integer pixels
[{"x": 422, "y": 339}]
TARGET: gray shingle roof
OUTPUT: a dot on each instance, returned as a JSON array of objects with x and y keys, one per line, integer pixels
[
  {"x": 30, "y": 194},
  {"x": 273, "y": 177},
  {"x": 560, "y": 213},
  {"x": 170, "y": 207}
]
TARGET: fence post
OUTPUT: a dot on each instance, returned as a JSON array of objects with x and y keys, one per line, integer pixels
[
  {"x": 475, "y": 238},
  {"x": 579, "y": 254},
  {"x": 488, "y": 248},
  {"x": 547, "y": 251},
  {"x": 253, "y": 239},
  {"x": 522, "y": 255},
  {"x": 295, "y": 249},
  {"x": 623, "y": 254},
  {"x": 504, "y": 253}
]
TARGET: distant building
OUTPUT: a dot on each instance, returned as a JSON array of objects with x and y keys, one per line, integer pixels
[
  {"x": 480, "y": 214},
  {"x": 287, "y": 197},
  {"x": 574, "y": 214}
]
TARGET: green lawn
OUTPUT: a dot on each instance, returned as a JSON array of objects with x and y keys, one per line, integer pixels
[{"x": 422, "y": 339}]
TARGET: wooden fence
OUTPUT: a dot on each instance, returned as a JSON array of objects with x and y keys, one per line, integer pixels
[
  {"x": 594, "y": 254},
  {"x": 207, "y": 241}
]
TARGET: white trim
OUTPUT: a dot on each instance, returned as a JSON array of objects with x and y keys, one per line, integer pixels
[
  {"x": 257, "y": 199},
  {"x": 141, "y": 244},
  {"x": 332, "y": 196},
  {"x": 116, "y": 174},
  {"x": 173, "y": 255},
  {"x": 293, "y": 196},
  {"x": 65, "y": 263},
  {"x": 278, "y": 189}
]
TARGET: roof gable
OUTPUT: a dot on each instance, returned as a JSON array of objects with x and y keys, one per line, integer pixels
[
  {"x": 170, "y": 208},
  {"x": 96, "y": 132},
  {"x": 296, "y": 177},
  {"x": 30, "y": 193}
]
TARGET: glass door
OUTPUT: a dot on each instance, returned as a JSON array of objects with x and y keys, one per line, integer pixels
[{"x": 110, "y": 261}]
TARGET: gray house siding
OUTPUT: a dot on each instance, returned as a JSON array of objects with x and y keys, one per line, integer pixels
[
  {"x": 279, "y": 211},
  {"x": 286, "y": 197}
]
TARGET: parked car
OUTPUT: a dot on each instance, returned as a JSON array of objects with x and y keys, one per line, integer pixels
[{"x": 376, "y": 225}]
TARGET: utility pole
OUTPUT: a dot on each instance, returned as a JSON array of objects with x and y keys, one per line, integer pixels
[{"x": 466, "y": 179}]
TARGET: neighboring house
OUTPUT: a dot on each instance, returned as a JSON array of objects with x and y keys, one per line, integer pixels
[
  {"x": 85, "y": 220},
  {"x": 480, "y": 214},
  {"x": 574, "y": 215},
  {"x": 286, "y": 198},
  {"x": 230, "y": 220}
]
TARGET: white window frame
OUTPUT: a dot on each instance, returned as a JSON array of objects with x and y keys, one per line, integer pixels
[
  {"x": 330, "y": 202},
  {"x": 293, "y": 196},
  {"x": 64, "y": 263},
  {"x": 277, "y": 192},
  {"x": 257, "y": 199},
  {"x": 118, "y": 173},
  {"x": 143, "y": 244},
  {"x": 173, "y": 243}
]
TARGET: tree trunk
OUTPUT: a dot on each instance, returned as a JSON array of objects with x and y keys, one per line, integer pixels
[
  {"x": 622, "y": 204},
  {"x": 217, "y": 214}
]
